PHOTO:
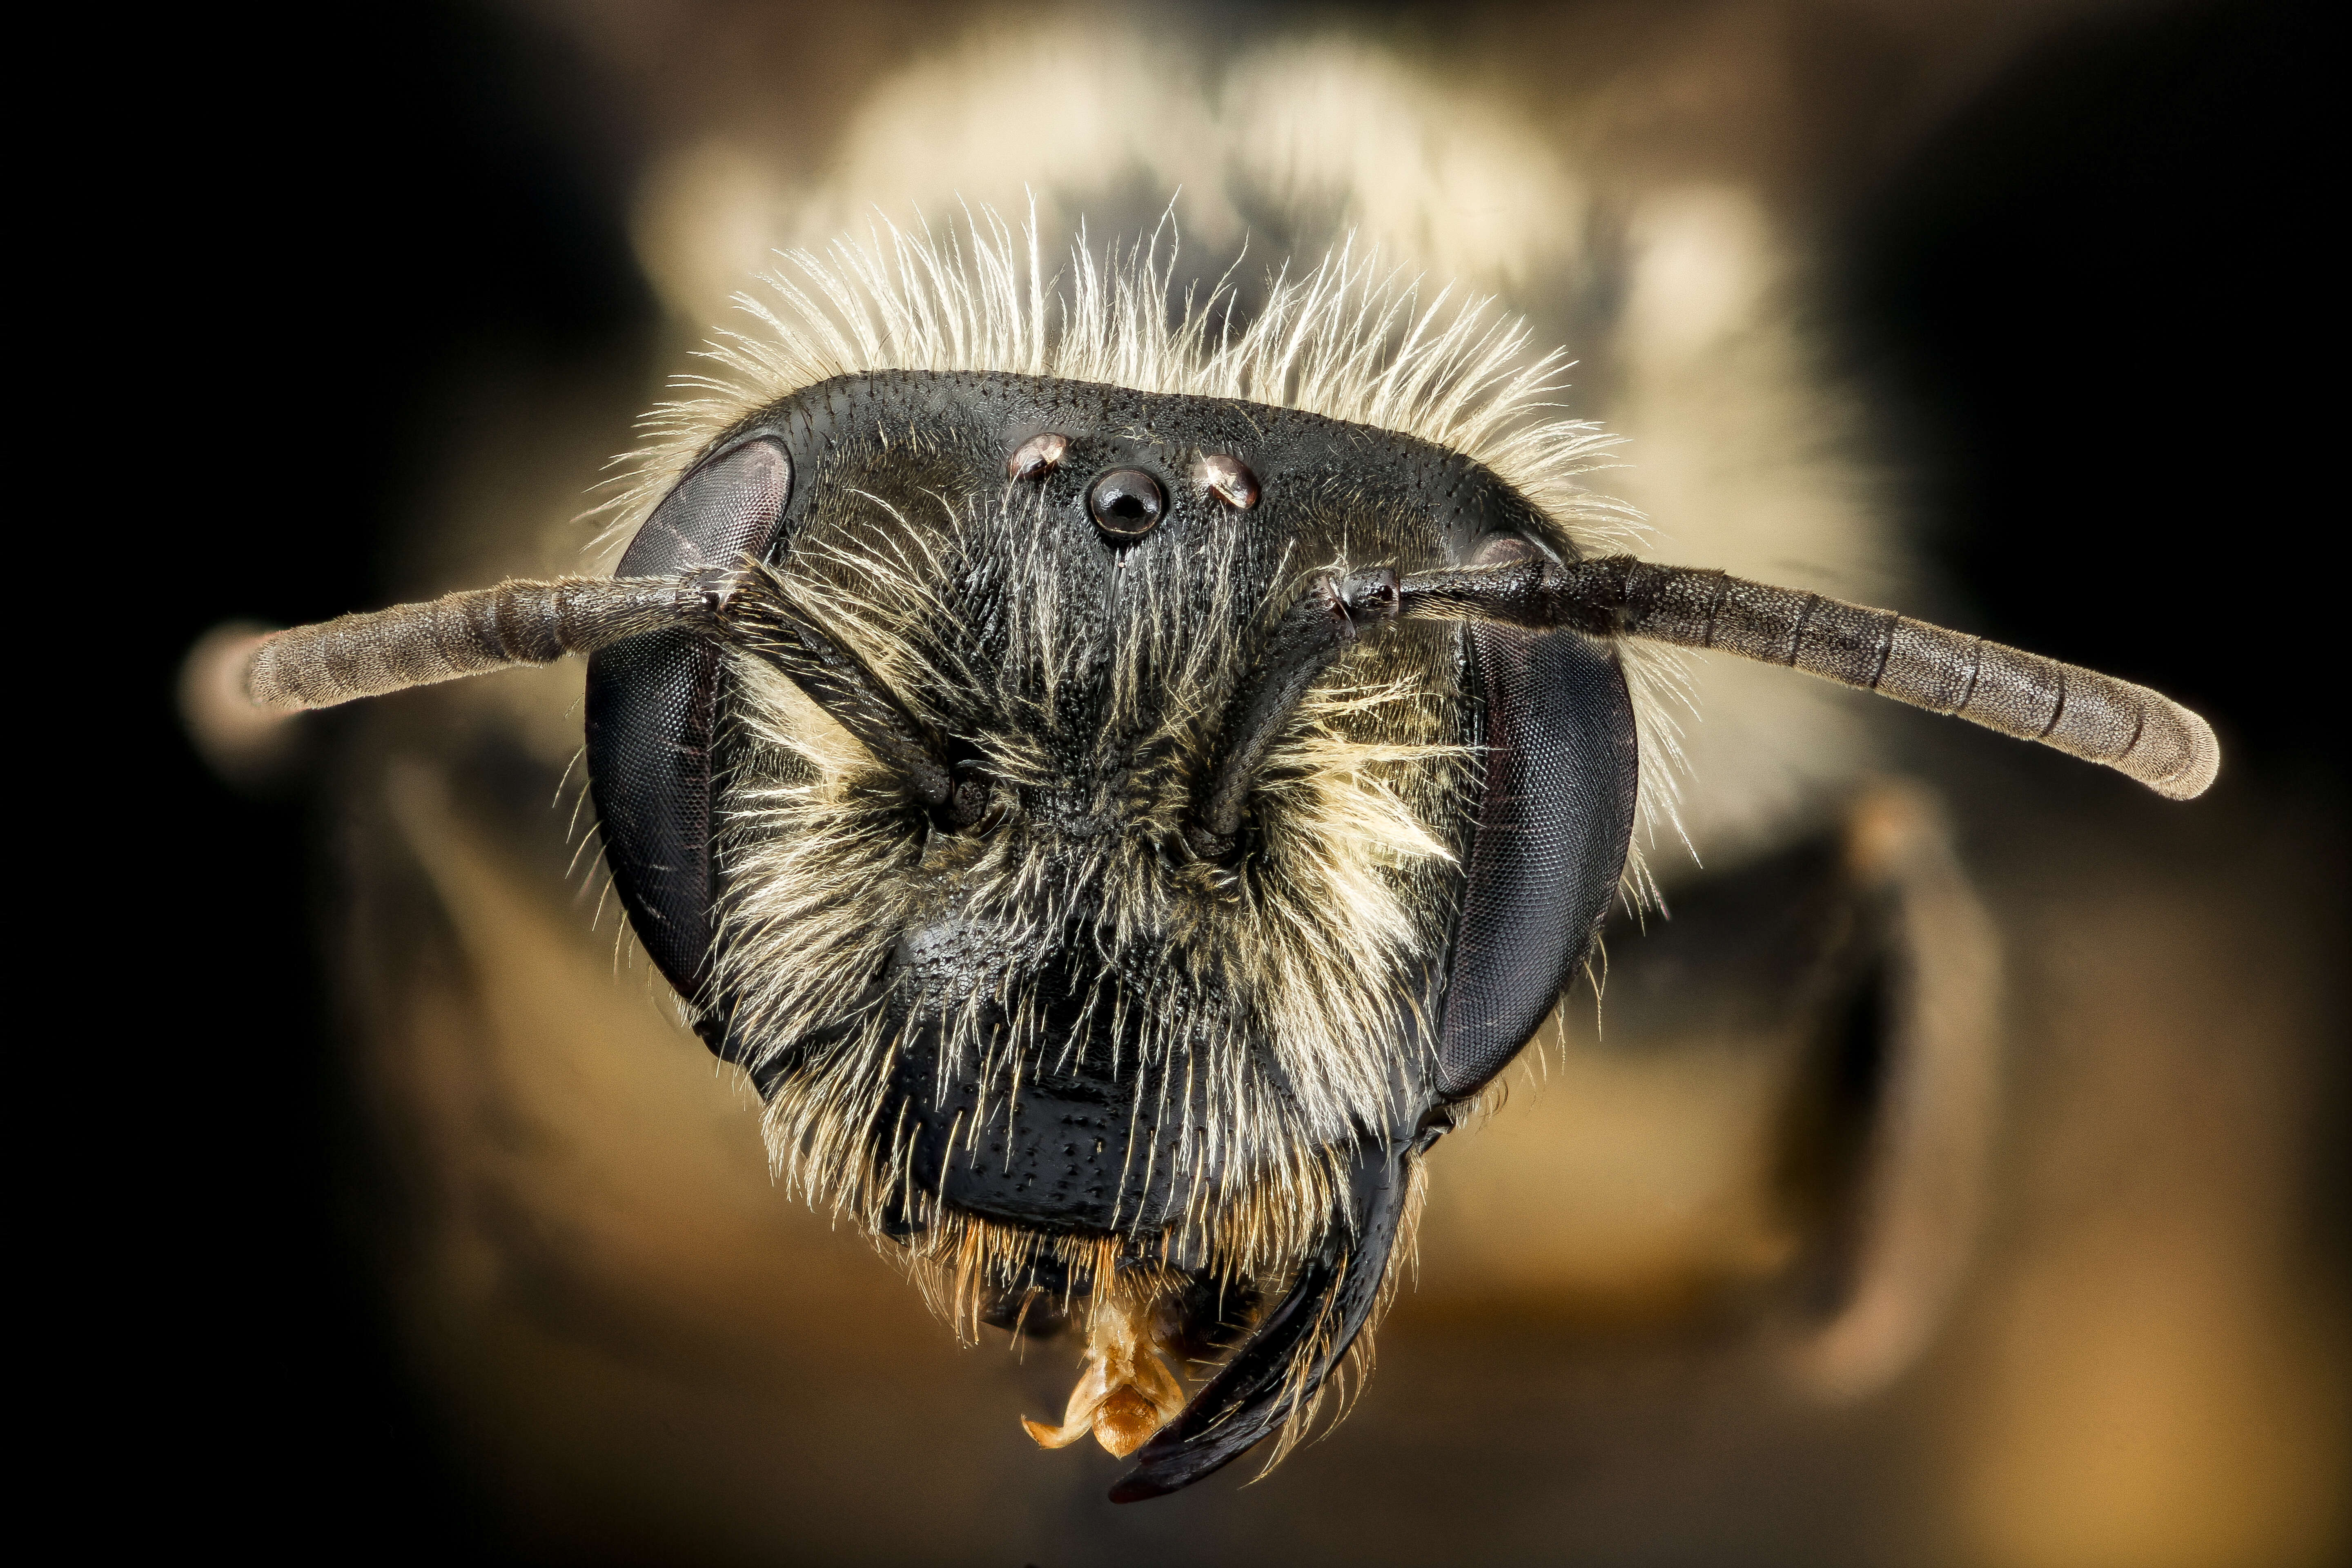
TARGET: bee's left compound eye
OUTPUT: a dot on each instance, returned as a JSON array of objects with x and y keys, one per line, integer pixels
[{"x": 1127, "y": 504}]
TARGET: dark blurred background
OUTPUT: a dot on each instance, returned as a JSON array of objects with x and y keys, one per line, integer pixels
[{"x": 2094, "y": 301}]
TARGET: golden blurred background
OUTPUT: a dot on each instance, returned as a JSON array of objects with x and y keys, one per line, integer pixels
[{"x": 1950, "y": 1180}]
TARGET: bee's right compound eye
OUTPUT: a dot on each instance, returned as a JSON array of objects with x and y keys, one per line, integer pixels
[{"x": 1127, "y": 504}]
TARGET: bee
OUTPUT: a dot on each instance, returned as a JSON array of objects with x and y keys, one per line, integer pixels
[{"x": 1122, "y": 782}]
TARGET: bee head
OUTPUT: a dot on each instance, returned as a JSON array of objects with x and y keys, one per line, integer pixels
[
  {"x": 1082, "y": 870},
  {"x": 1119, "y": 789}
]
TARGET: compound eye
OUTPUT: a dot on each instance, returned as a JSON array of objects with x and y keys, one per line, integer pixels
[{"x": 1127, "y": 504}]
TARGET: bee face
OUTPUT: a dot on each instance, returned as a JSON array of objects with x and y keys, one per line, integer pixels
[
  {"x": 1117, "y": 825},
  {"x": 1022, "y": 1016}
]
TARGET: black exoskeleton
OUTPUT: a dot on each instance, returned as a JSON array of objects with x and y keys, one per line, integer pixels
[
  {"x": 1118, "y": 831},
  {"x": 1541, "y": 836}
]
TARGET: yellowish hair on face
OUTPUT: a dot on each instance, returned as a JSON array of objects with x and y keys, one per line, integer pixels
[{"x": 1297, "y": 961}]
